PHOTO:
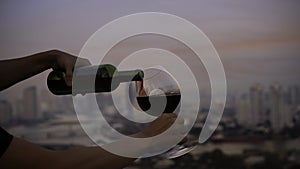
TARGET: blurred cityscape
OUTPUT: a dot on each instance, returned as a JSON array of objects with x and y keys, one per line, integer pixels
[{"x": 259, "y": 128}]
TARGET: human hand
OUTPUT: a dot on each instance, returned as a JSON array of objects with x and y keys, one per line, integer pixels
[
  {"x": 162, "y": 143},
  {"x": 66, "y": 62}
]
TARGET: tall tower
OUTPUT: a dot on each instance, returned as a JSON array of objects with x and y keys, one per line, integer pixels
[
  {"x": 5, "y": 112},
  {"x": 256, "y": 104},
  {"x": 293, "y": 96},
  {"x": 30, "y": 106},
  {"x": 278, "y": 114},
  {"x": 243, "y": 111}
]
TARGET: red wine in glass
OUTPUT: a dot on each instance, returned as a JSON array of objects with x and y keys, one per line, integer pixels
[
  {"x": 159, "y": 88},
  {"x": 145, "y": 102}
]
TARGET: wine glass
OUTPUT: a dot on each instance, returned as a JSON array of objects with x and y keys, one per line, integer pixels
[{"x": 158, "y": 93}]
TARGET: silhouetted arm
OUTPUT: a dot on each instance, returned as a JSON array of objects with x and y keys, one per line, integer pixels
[
  {"x": 15, "y": 70},
  {"x": 22, "y": 154}
]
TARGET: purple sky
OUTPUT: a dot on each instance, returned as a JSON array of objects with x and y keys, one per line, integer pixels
[{"x": 258, "y": 41}]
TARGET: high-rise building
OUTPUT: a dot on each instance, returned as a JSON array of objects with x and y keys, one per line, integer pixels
[
  {"x": 243, "y": 114},
  {"x": 279, "y": 111},
  {"x": 293, "y": 96},
  {"x": 5, "y": 112},
  {"x": 256, "y": 104},
  {"x": 19, "y": 107},
  {"x": 30, "y": 105},
  {"x": 46, "y": 101}
]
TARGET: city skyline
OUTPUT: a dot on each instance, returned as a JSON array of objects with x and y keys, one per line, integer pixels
[
  {"x": 258, "y": 43},
  {"x": 260, "y": 105}
]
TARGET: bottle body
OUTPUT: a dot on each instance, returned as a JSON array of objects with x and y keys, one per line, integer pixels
[{"x": 104, "y": 78}]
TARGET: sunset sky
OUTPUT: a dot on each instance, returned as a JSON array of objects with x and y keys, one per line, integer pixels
[{"x": 258, "y": 41}]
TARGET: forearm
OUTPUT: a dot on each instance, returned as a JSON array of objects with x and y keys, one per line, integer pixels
[
  {"x": 90, "y": 158},
  {"x": 22, "y": 154},
  {"x": 96, "y": 157},
  {"x": 15, "y": 70}
]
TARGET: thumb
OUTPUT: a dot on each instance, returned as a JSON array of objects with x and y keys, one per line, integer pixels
[{"x": 68, "y": 77}]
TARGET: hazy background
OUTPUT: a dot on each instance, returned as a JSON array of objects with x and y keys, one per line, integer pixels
[{"x": 258, "y": 41}]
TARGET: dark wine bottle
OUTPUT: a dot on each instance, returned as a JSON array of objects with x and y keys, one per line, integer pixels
[{"x": 107, "y": 79}]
